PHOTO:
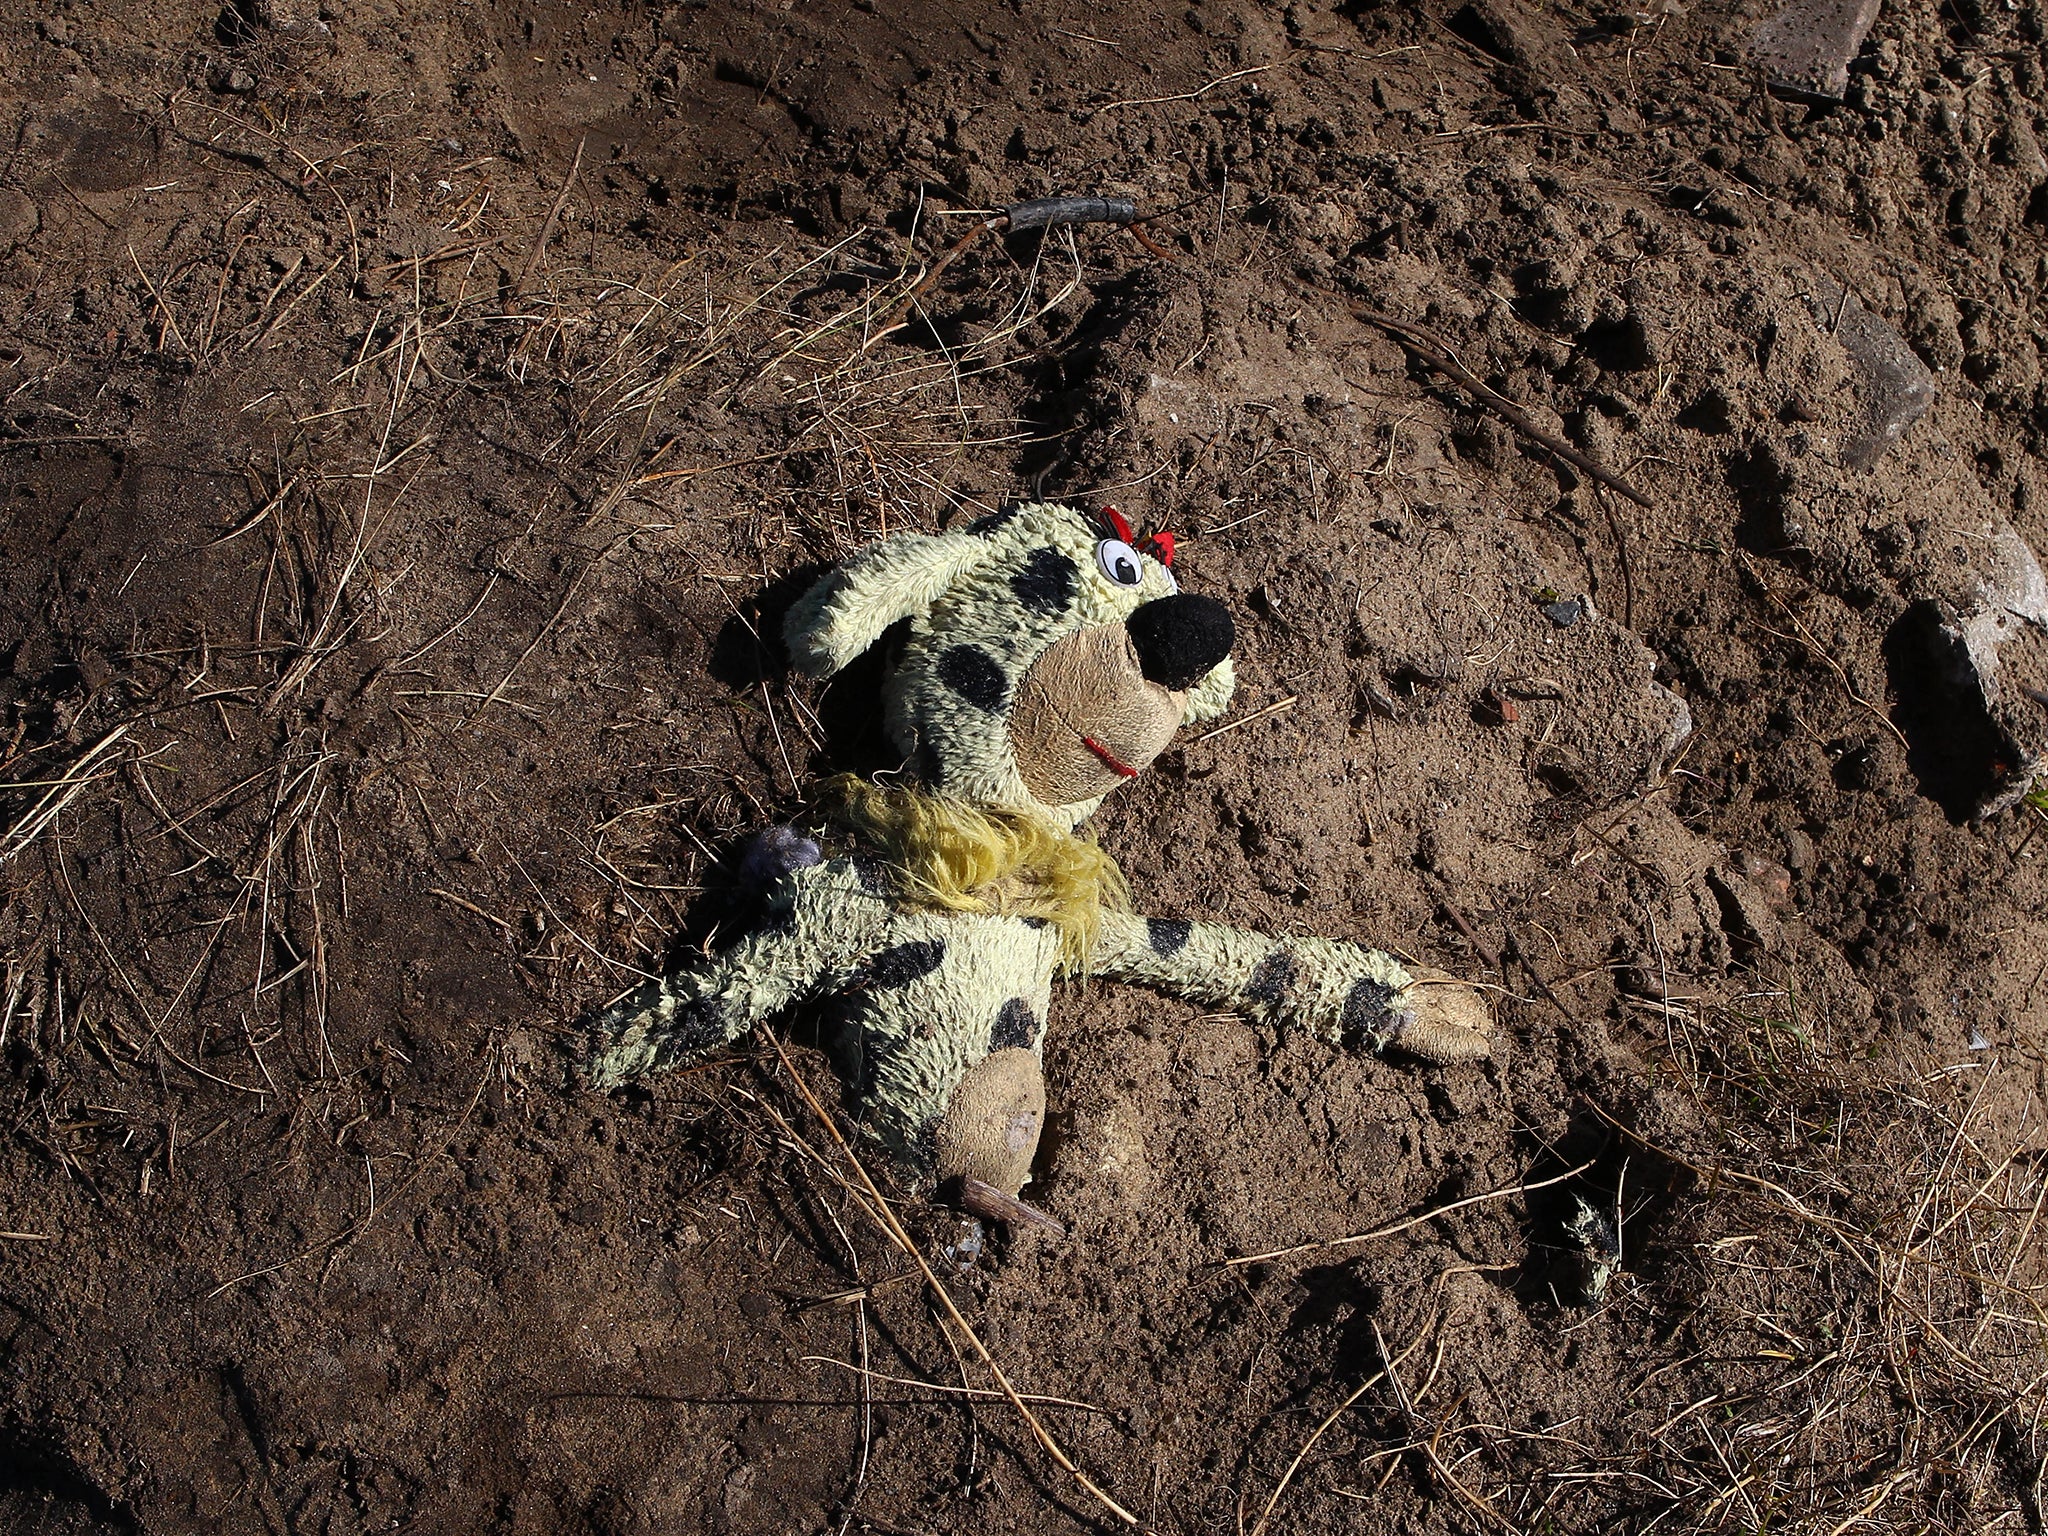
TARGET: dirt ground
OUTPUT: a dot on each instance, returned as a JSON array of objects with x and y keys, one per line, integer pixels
[{"x": 415, "y": 414}]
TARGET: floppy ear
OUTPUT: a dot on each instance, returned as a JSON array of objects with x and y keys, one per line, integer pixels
[{"x": 848, "y": 609}]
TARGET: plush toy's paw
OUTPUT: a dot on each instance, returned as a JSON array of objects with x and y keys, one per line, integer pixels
[
  {"x": 989, "y": 1132},
  {"x": 1443, "y": 1021}
]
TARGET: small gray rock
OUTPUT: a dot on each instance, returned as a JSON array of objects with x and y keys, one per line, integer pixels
[
  {"x": 1970, "y": 669},
  {"x": 293, "y": 18},
  {"x": 1806, "y": 49},
  {"x": 1897, "y": 389},
  {"x": 1746, "y": 914}
]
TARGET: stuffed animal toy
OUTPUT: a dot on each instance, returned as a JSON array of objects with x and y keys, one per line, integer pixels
[{"x": 1047, "y": 658}]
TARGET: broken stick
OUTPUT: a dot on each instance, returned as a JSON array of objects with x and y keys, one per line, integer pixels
[{"x": 1436, "y": 352}]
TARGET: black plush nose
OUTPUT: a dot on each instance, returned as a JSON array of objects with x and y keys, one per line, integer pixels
[{"x": 1180, "y": 638}]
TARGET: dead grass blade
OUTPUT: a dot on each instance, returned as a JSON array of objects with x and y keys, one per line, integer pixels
[
  {"x": 57, "y": 794},
  {"x": 1403, "y": 1226}
]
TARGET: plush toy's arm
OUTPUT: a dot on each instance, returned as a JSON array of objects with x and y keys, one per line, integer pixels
[
  {"x": 1343, "y": 992},
  {"x": 823, "y": 924}
]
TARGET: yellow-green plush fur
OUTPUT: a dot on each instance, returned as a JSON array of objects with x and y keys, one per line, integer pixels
[{"x": 955, "y": 857}]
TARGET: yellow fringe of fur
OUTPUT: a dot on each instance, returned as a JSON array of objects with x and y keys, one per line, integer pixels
[{"x": 968, "y": 858}]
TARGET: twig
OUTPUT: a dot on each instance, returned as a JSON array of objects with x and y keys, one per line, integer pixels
[
  {"x": 1473, "y": 133},
  {"x": 60, "y": 794},
  {"x": 1480, "y": 947},
  {"x": 990, "y": 1203},
  {"x": 312, "y": 169},
  {"x": 1628, "y": 574},
  {"x": 547, "y": 228},
  {"x": 466, "y": 904},
  {"x": 892, "y": 321},
  {"x": 933, "y": 1386},
  {"x": 77, "y": 437},
  {"x": 99, "y": 217},
  {"x": 1529, "y": 965},
  {"x": 707, "y": 469},
  {"x": 1436, "y": 352},
  {"x": 220, "y": 291},
  {"x": 882, "y": 1211},
  {"x": 1044, "y": 214},
  {"x": 1805, "y": 638},
  {"x": 1153, "y": 101},
  {"x": 304, "y": 293},
  {"x": 546, "y": 629},
  {"x": 1414, "y": 1221},
  {"x": 170, "y": 320},
  {"x": 355, "y": 1229},
  {"x": 1884, "y": 1492},
  {"x": 1256, "y": 715}
]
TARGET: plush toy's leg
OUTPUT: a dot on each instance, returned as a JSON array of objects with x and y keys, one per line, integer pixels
[
  {"x": 946, "y": 1069},
  {"x": 1343, "y": 992}
]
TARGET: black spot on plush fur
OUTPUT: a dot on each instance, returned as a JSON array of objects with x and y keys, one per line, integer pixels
[
  {"x": 1273, "y": 979},
  {"x": 698, "y": 1026},
  {"x": 973, "y": 674},
  {"x": 1046, "y": 584},
  {"x": 1168, "y": 935},
  {"x": 1016, "y": 1025},
  {"x": 901, "y": 964},
  {"x": 1180, "y": 638},
  {"x": 1365, "y": 1009}
]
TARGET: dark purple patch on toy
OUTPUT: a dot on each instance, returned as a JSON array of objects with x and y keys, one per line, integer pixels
[{"x": 774, "y": 853}]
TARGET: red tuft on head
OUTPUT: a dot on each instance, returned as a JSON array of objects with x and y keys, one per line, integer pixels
[
  {"x": 1160, "y": 547},
  {"x": 1121, "y": 528}
]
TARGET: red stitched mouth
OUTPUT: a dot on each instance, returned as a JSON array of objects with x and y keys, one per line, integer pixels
[{"x": 1116, "y": 764}]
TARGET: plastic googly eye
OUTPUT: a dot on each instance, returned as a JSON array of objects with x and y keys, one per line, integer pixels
[{"x": 1119, "y": 562}]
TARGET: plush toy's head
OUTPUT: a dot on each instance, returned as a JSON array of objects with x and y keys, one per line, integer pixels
[{"x": 1050, "y": 655}]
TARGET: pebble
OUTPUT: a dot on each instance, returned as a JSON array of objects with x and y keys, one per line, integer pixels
[
  {"x": 1769, "y": 877},
  {"x": 961, "y": 1244},
  {"x": 1806, "y": 49},
  {"x": 1897, "y": 388}
]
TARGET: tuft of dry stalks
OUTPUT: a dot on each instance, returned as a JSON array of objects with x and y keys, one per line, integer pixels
[{"x": 1865, "y": 1255}]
